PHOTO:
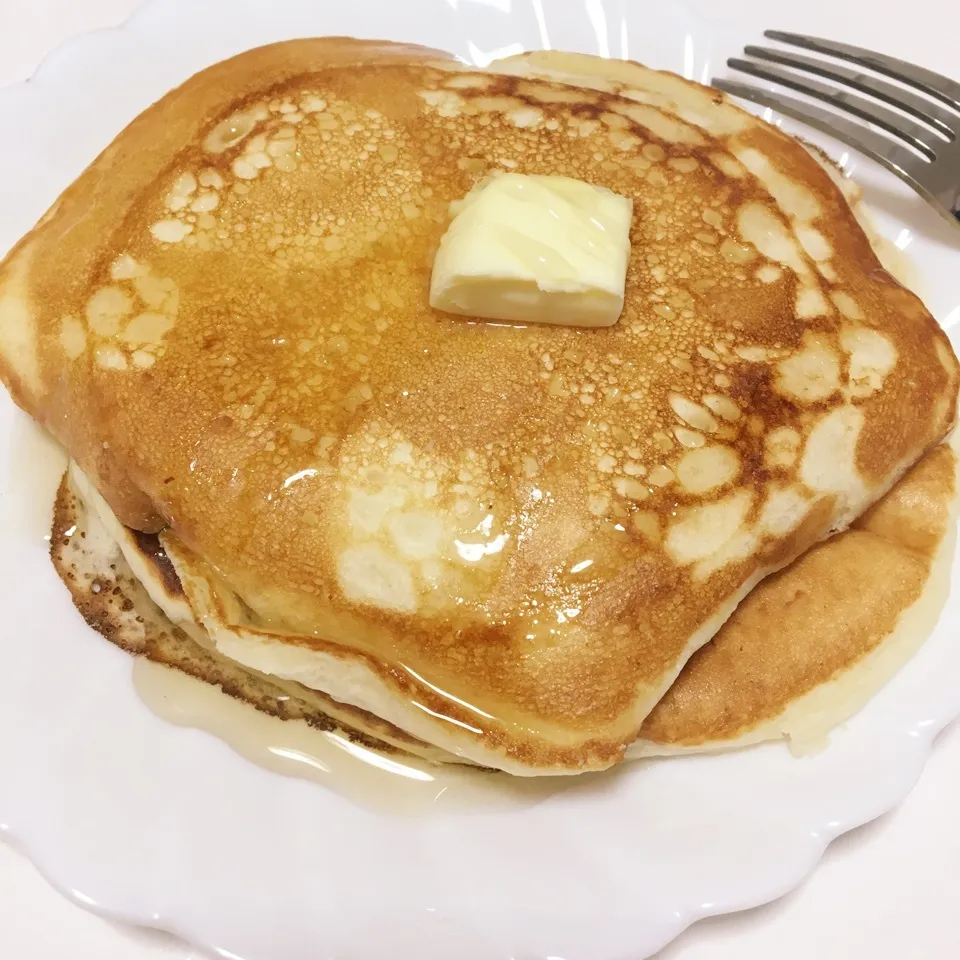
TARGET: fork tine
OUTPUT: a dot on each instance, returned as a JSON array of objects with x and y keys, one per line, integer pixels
[
  {"x": 942, "y": 88},
  {"x": 941, "y": 120},
  {"x": 893, "y": 123},
  {"x": 896, "y": 159}
]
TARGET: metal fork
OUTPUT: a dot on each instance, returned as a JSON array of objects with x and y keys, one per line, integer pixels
[{"x": 926, "y": 155}]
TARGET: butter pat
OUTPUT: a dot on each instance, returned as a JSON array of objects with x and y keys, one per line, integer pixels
[{"x": 535, "y": 249}]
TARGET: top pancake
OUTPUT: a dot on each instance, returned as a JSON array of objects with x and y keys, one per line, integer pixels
[{"x": 505, "y": 541}]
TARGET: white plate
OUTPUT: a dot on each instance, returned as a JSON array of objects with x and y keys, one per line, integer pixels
[{"x": 167, "y": 827}]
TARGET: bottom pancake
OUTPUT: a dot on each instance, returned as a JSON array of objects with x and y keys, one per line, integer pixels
[
  {"x": 811, "y": 644},
  {"x": 802, "y": 653}
]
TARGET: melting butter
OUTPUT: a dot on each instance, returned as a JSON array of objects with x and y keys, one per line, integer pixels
[{"x": 535, "y": 249}]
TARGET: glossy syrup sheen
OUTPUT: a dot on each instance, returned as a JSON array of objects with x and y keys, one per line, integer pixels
[
  {"x": 335, "y": 441},
  {"x": 388, "y": 781},
  {"x": 393, "y": 784}
]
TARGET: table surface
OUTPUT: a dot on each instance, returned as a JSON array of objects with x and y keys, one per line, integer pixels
[{"x": 887, "y": 890}]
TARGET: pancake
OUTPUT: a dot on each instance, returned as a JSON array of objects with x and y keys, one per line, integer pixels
[
  {"x": 126, "y": 588},
  {"x": 504, "y": 541},
  {"x": 113, "y": 600},
  {"x": 802, "y": 653},
  {"x": 811, "y": 644}
]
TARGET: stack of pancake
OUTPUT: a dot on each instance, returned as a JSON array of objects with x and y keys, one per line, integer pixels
[{"x": 540, "y": 549}]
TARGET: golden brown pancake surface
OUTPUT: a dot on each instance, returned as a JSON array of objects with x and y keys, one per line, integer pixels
[
  {"x": 809, "y": 624},
  {"x": 503, "y": 540},
  {"x": 800, "y": 654}
]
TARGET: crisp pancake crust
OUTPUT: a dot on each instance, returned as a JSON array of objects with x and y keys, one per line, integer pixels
[{"x": 505, "y": 541}]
